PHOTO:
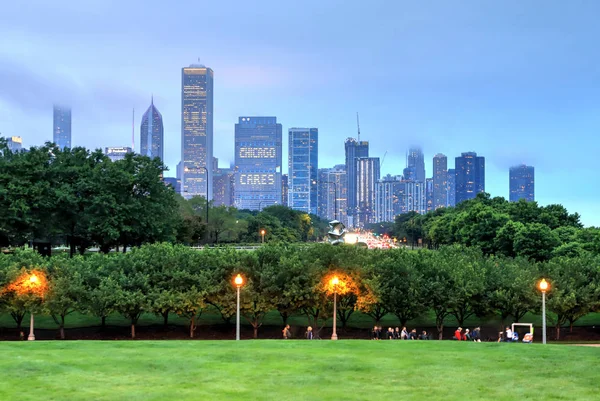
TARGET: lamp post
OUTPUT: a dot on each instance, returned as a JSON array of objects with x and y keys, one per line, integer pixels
[
  {"x": 334, "y": 282},
  {"x": 238, "y": 283},
  {"x": 262, "y": 233},
  {"x": 543, "y": 286},
  {"x": 34, "y": 281}
]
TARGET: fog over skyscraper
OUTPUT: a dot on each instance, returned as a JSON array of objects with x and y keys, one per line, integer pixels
[
  {"x": 416, "y": 160},
  {"x": 152, "y": 133},
  {"x": 61, "y": 128},
  {"x": 196, "y": 130},
  {"x": 522, "y": 183}
]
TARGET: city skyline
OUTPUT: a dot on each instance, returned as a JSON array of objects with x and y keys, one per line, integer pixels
[{"x": 468, "y": 82}]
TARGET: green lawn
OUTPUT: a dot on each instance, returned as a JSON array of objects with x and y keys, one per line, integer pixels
[{"x": 296, "y": 370}]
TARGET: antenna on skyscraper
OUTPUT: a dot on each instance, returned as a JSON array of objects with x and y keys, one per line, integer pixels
[
  {"x": 358, "y": 126},
  {"x": 133, "y": 131}
]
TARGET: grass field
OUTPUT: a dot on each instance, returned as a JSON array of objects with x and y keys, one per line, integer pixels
[{"x": 296, "y": 370}]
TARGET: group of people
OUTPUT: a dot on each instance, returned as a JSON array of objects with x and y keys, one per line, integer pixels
[
  {"x": 467, "y": 335},
  {"x": 397, "y": 334}
]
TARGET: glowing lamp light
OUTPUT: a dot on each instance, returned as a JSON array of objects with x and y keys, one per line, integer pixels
[
  {"x": 239, "y": 280},
  {"x": 335, "y": 280},
  {"x": 33, "y": 279},
  {"x": 544, "y": 285},
  {"x": 262, "y": 232}
]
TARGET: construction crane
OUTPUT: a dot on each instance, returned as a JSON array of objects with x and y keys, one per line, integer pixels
[
  {"x": 358, "y": 126},
  {"x": 382, "y": 160}
]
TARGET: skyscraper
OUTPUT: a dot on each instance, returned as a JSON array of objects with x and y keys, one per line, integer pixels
[
  {"x": 152, "y": 133},
  {"x": 415, "y": 197},
  {"x": 258, "y": 162},
  {"x": 284, "y": 189},
  {"x": 354, "y": 150},
  {"x": 470, "y": 176},
  {"x": 451, "y": 188},
  {"x": 429, "y": 194},
  {"x": 62, "y": 127},
  {"x": 416, "y": 160},
  {"x": 333, "y": 193},
  {"x": 303, "y": 165},
  {"x": 15, "y": 143},
  {"x": 389, "y": 193},
  {"x": 223, "y": 187},
  {"x": 197, "y": 130},
  {"x": 522, "y": 183},
  {"x": 367, "y": 174},
  {"x": 440, "y": 181},
  {"x": 117, "y": 153}
]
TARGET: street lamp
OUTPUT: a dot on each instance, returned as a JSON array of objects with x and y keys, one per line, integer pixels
[
  {"x": 334, "y": 283},
  {"x": 543, "y": 286},
  {"x": 34, "y": 281},
  {"x": 239, "y": 281},
  {"x": 262, "y": 233}
]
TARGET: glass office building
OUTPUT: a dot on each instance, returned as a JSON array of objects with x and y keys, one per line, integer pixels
[{"x": 303, "y": 165}]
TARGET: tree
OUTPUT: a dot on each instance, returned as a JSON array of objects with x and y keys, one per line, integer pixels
[
  {"x": 510, "y": 287},
  {"x": 18, "y": 295},
  {"x": 259, "y": 295},
  {"x": 575, "y": 288},
  {"x": 535, "y": 241},
  {"x": 66, "y": 290},
  {"x": 399, "y": 284},
  {"x": 133, "y": 287},
  {"x": 437, "y": 280}
]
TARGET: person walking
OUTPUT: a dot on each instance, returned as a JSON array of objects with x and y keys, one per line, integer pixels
[
  {"x": 286, "y": 332},
  {"x": 404, "y": 334},
  {"x": 309, "y": 333},
  {"x": 476, "y": 336}
]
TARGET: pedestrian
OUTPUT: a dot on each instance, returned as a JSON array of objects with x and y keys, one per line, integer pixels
[
  {"x": 467, "y": 335},
  {"x": 309, "y": 333},
  {"x": 413, "y": 334},
  {"x": 286, "y": 332},
  {"x": 379, "y": 333},
  {"x": 423, "y": 336},
  {"x": 374, "y": 333},
  {"x": 396, "y": 333}
]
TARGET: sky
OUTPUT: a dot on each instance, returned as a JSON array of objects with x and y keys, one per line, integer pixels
[{"x": 516, "y": 81}]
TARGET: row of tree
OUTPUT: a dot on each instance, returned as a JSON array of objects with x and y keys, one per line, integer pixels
[
  {"x": 80, "y": 198},
  {"x": 499, "y": 227},
  {"x": 295, "y": 280}
]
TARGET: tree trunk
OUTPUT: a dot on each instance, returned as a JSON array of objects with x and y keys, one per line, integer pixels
[
  {"x": 62, "y": 327},
  {"x": 72, "y": 248},
  {"x": 103, "y": 324},
  {"x": 124, "y": 248},
  {"x": 255, "y": 327},
  {"x": 165, "y": 316},
  {"x": 192, "y": 326},
  {"x": 558, "y": 331},
  {"x": 18, "y": 318},
  {"x": 284, "y": 317},
  {"x": 132, "y": 331}
]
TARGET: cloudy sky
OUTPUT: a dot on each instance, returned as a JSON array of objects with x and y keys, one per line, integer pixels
[{"x": 516, "y": 81}]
